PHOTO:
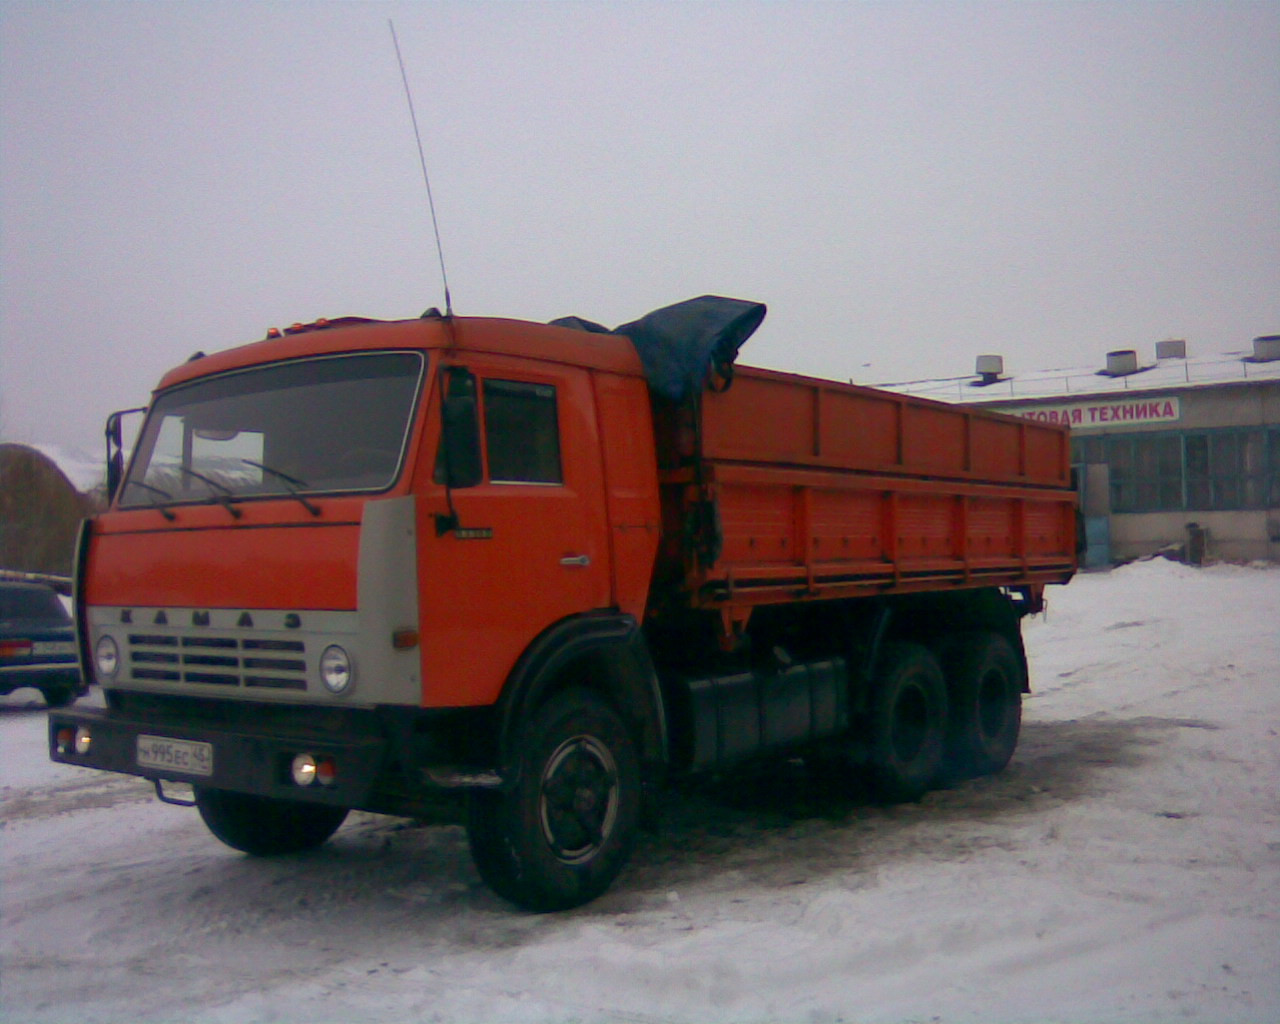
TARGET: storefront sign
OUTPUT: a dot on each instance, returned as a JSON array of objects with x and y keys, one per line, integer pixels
[{"x": 1086, "y": 415}]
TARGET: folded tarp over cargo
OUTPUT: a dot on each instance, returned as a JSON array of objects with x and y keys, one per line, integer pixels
[{"x": 681, "y": 345}]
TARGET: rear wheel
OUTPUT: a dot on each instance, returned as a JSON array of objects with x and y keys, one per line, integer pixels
[
  {"x": 264, "y": 826},
  {"x": 907, "y": 721},
  {"x": 986, "y": 679},
  {"x": 59, "y": 696},
  {"x": 559, "y": 838}
]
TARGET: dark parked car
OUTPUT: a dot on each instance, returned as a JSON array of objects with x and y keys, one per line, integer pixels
[{"x": 37, "y": 644}]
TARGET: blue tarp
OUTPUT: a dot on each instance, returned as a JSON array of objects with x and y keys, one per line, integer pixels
[{"x": 681, "y": 345}]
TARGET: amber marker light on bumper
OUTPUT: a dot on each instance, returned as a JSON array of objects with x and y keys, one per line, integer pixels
[
  {"x": 64, "y": 739},
  {"x": 73, "y": 741}
]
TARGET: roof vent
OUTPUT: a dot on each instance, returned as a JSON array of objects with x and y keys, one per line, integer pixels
[
  {"x": 1267, "y": 348},
  {"x": 989, "y": 368},
  {"x": 1174, "y": 348},
  {"x": 1121, "y": 362}
]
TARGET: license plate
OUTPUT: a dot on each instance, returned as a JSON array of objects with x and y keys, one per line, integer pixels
[
  {"x": 188, "y": 756},
  {"x": 47, "y": 648}
]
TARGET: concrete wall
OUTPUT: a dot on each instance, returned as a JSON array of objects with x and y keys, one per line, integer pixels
[
  {"x": 1232, "y": 536},
  {"x": 1227, "y": 405}
]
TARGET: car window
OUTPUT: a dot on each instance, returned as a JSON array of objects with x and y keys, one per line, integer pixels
[{"x": 36, "y": 604}]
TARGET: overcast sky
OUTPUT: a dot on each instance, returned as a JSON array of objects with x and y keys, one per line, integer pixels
[{"x": 907, "y": 185}]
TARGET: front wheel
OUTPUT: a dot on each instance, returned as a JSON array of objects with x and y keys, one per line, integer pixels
[
  {"x": 562, "y": 834},
  {"x": 59, "y": 696},
  {"x": 264, "y": 826}
]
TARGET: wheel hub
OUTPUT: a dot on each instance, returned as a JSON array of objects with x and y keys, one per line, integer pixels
[{"x": 579, "y": 798}]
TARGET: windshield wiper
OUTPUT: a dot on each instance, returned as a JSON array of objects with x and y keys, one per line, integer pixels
[
  {"x": 291, "y": 483},
  {"x": 155, "y": 504},
  {"x": 223, "y": 495}
]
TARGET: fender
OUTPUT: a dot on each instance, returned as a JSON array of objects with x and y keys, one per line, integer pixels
[
  {"x": 606, "y": 638},
  {"x": 866, "y": 642}
]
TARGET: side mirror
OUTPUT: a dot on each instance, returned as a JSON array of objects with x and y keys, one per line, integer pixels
[
  {"x": 458, "y": 464},
  {"x": 115, "y": 452}
]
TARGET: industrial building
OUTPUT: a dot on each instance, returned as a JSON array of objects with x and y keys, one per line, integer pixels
[{"x": 1179, "y": 453}]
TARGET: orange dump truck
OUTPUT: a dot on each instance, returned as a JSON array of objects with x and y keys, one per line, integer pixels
[{"x": 360, "y": 562}]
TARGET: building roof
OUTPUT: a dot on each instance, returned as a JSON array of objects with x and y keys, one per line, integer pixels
[{"x": 1153, "y": 374}]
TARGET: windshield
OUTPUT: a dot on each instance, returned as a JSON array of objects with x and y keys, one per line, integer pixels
[
  {"x": 31, "y": 604},
  {"x": 317, "y": 425}
]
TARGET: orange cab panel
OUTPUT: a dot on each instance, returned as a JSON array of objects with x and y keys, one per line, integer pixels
[{"x": 284, "y": 565}]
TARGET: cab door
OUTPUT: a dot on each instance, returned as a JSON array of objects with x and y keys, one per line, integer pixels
[{"x": 523, "y": 542}]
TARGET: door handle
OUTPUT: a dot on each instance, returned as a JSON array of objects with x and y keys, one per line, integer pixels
[{"x": 576, "y": 561}]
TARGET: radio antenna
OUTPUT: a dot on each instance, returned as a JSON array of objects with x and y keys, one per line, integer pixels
[{"x": 435, "y": 224}]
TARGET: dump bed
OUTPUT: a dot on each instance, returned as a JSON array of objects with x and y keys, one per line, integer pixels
[{"x": 785, "y": 487}]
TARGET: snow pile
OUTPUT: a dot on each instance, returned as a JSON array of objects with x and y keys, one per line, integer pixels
[
  {"x": 84, "y": 471},
  {"x": 1125, "y": 867}
]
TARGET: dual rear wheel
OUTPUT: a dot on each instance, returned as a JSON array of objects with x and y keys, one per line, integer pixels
[{"x": 930, "y": 721}]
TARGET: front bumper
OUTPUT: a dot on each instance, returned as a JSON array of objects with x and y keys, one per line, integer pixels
[{"x": 244, "y": 759}]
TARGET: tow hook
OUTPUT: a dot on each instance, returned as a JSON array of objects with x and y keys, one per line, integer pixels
[{"x": 164, "y": 798}]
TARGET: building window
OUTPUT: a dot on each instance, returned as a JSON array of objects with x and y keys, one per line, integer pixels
[
  {"x": 1146, "y": 471},
  {"x": 1227, "y": 470},
  {"x": 1166, "y": 471}
]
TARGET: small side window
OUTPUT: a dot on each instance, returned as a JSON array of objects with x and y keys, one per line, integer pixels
[
  {"x": 522, "y": 432},
  {"x": 458, "y": 461}
]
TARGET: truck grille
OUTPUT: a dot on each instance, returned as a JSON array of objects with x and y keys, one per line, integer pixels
[{"x": 219, "y": 661}]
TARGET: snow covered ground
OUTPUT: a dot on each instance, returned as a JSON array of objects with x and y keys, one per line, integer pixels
[{"x": 1125, "y": 867}]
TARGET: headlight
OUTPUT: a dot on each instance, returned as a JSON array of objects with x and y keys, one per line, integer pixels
[
  {"x": 336, "y": 671},
  {"x": 307, "y": 769},
  {"x": 84, "y": 740},
  {"x": 303, "y": 770},
  {"x": 106, "y": 656}
]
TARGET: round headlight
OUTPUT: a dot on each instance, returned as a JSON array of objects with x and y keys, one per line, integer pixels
[
  {"x": 106, "y": 656},
  {"x": 336, "y": 671}
]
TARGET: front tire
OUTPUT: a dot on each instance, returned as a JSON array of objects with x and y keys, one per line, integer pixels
[
  {"x": 59, "y": 696},
  {"x": 266, "y": 827},
  {"x": 906, "y": 726},
  {"x": 562, "y": 834}
]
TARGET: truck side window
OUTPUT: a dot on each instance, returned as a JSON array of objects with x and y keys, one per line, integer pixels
[{"x": 522, "y": 432}]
